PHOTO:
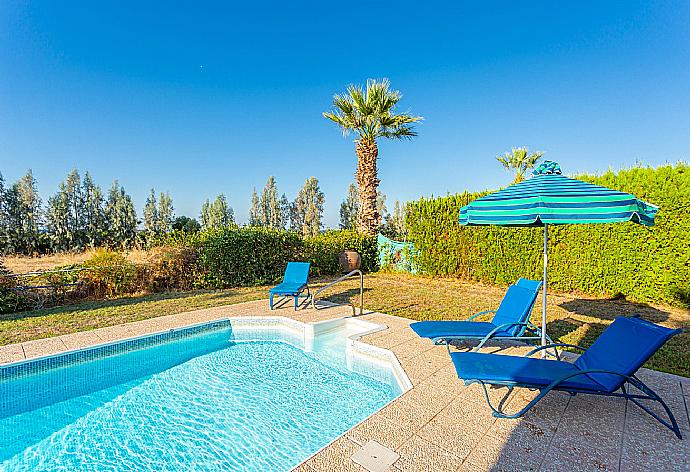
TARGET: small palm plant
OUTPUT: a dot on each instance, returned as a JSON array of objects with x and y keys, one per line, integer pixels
[
  {"x": 370, "y": 114},
  {"x": 519, "y": 160}
]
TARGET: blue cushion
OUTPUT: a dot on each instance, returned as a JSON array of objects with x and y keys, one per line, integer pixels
[
  {"x": 296, "y": 272},
  {"x": 515, "y": 307},
  {"x": 623, "y": 347},
  {"x": 533, "y": 285},
  {"x": 454, "y": 329},
  {"x": 287, "y": 288},
  {"x": 526, "y": 371}
]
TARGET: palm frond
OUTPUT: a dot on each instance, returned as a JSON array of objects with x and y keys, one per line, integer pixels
[
  {"x": 519, "y": 160},
  {"x": 370, "y": 112}
]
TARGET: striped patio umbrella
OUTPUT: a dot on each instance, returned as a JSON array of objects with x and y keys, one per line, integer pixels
[{"x": 549, "y": 198}]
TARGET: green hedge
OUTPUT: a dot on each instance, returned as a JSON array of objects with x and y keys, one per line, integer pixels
[
  {"x": 256, "y": 256},
  {"x": 640, "y": 263},
  {"x": 323, "y": 250},
  {"x": 247, "y": 256}
]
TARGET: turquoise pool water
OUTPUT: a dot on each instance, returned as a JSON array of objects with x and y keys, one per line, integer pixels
[{"x": 210, "y": 400}]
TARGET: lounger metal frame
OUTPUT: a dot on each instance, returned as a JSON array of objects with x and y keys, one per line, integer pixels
[
  {"x": 533, "y": 331},
  {"x": 631, "y": 380},
  {"x": 288, "y": 295}
]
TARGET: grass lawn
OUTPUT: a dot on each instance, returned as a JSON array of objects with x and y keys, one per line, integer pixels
[{"x": 572, "y": 319}]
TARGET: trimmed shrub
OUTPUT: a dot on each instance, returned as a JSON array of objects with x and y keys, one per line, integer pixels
[
  {"x": 246, "y": 256},
  {"x": 643, "y": 264},
  {"x": 322, "y": 251}
]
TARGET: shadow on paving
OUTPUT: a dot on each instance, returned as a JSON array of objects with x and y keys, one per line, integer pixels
[
  {"x": 346, "y": 296},
  {"x": 581, "y": 432}
]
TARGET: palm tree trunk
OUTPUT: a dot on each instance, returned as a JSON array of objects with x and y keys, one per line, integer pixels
[{"x": 368, "y": 218}]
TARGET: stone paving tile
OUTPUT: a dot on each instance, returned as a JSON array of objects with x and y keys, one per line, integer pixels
[
  {"x": 422, "y": 367},
  {"x": 392, "y": 322},
  {"x": 381, "y": 430},
  {"x": 546, "y": 413},
  {"x": 413, "y": 348},
  {"x": 410, "y": 415},
  {"x": 591, "y": 429},
  {"x": 11, "y": 353},
  {"x": 573, "y": 464},
  {"x": 636, "y": 417},
  {"x": 119, "y": 332},
  {"x": 336, "y": 457},
  {"x": 81, "y": 340},
  {"x": 596, "y": 412},
  {"x": 445, "y": 379},
  {"x": 419, "y": 455},
  {"x": 387, "y": 339},
  {"x": 304, "y": 468},
  {"x": 520, "y": 449},
  {"x": 429, "y": 396},
  {"x": 43, "y": 347},
  {"x": 655, "y": 449},
  {"x": 519, "y": 429},
  {"x": 595, "y": 449},
  {"x": 475, "y": 393},
  {"x": 458, "y": 427}
]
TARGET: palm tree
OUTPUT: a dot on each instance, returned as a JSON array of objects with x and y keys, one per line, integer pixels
[
  {"x": 370, "y": 115},
  {"x": 519, "y": 160}
]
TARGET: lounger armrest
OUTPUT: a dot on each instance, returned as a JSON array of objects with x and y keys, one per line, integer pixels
[
  {"x": 553, "y": 345},
  {"x": 555, "y": 383},
  {"x": 480, "y": 313},
  {"x": 502, "y": 327}
]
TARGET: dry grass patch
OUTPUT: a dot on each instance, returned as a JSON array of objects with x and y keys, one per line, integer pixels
[
  {"x": 570, "y": 318},
  {"x": 22, "y": 264}
]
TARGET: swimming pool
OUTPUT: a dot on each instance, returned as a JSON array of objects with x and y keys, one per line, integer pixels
[{"x": 218, "y": 396}]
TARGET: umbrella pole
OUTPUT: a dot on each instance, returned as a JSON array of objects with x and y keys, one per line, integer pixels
[{"x": 543, "y": 307}]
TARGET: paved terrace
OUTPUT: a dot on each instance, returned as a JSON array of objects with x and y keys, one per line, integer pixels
[{"x": 442, "y": 425}]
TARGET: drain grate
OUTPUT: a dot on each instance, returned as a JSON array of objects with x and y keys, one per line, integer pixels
[{"x": 374, "y": 457}]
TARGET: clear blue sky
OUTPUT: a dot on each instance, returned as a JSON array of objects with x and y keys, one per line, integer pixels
[{"x": 199, "y": 98}]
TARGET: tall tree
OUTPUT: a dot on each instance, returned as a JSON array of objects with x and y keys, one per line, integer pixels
[
  {"x": 395, "y": 223},
  {"x": 519, "y": 161},
  {"x": 348, "y": 209},
  {"x": 254, "y": 211},
  {"x": 350, "y": 206},
  {"x": 308, "y": 208},
  {"x": 166, "y": 213},
  {"x": 7, "y": 245},
  {"x": 75, "y": 202},
  {"x": 381, "y": 206},
  {"x": 285, "y": 210},
  {"x": 94, "y": 215},
  {"x": 186, "y": 224},
  {"x": 58, "y": 220},
  {"x": 13, "y": 237},
  {"x": 151, "y": 214},
  {"x": 29, "y": 213},
  {"x": 3, "y": 216},
  {"x": 121, "y": 217},
  {"x": 217, "y": 214},
  {"x": 271, "y": 213},
  {"x": 370, "y": 114}
]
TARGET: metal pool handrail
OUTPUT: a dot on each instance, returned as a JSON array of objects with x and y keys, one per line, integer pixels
[{"x": 361, "y": 291}]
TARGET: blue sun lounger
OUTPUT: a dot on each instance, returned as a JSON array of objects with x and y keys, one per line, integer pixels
[
  {"x": 293, "y": 284},
  {"x": 510, "y": 322},
  {"x": 607, "y": 368}
]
